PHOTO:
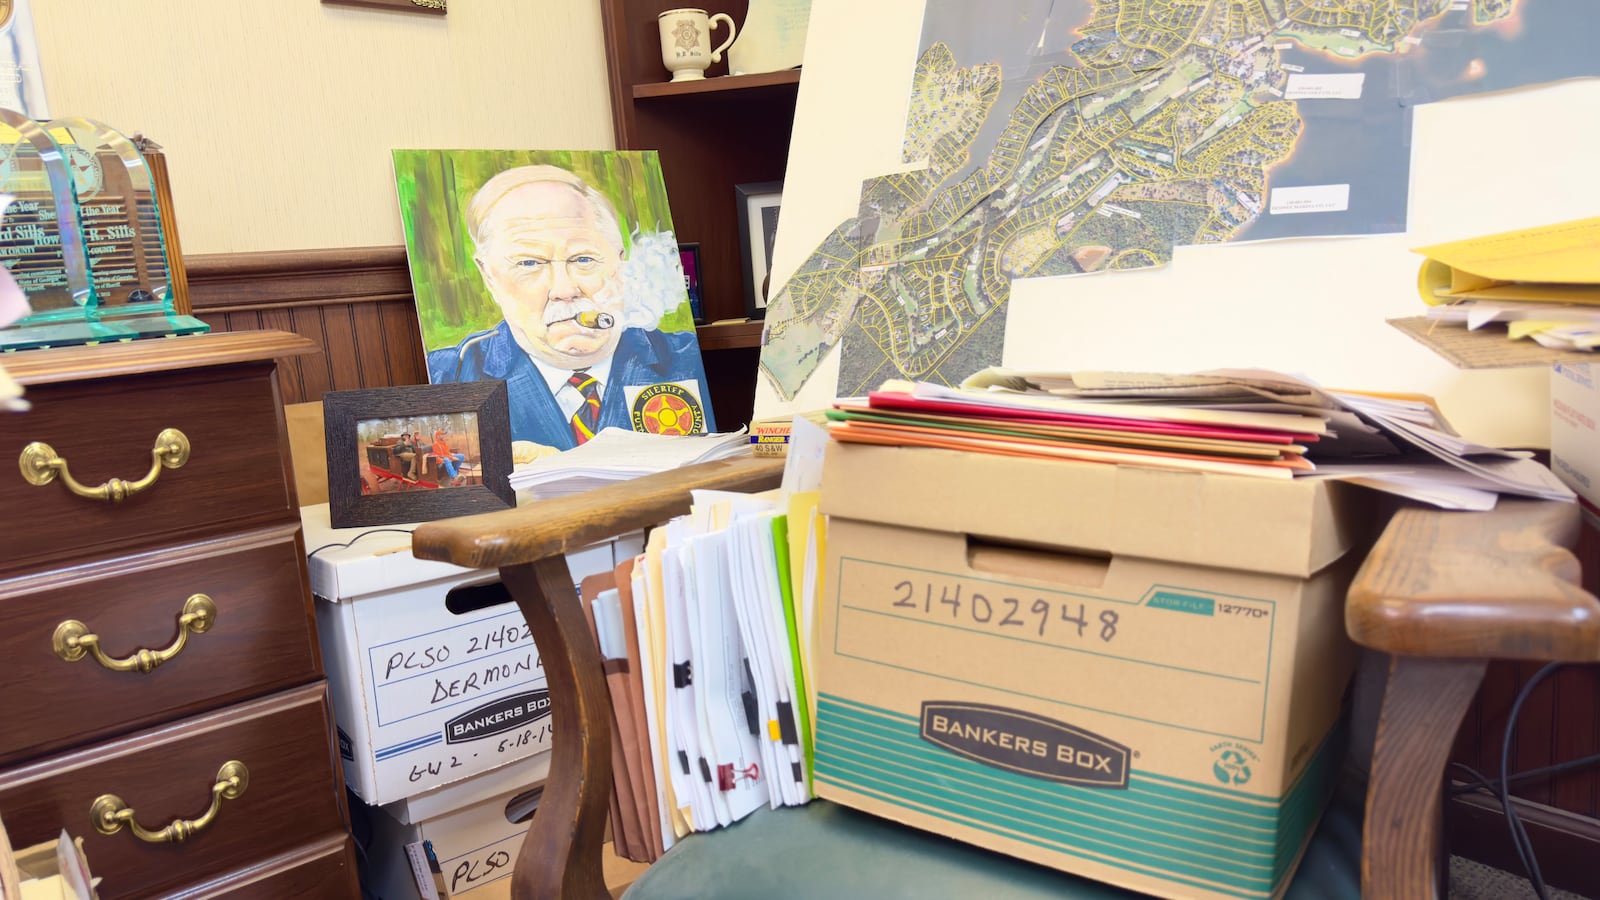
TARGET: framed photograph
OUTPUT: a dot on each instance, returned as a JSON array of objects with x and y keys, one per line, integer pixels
[
  {"x": 413, "y": 454},
  {"x": 430, "y": 7},
  {"x": 689, "y": 256},
  {"x": 758, "y": 228}
]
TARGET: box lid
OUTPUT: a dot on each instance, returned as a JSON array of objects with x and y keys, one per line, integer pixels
[
  {"x": 1266, "y": 525},
  {"x": 374, "y": 561}
]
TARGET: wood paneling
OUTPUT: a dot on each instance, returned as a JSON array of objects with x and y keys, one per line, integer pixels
[
  {"x": 355, "y": 304},
  {"x": 1565, "y": 843},
  {"x": 1559, "y": 722}
]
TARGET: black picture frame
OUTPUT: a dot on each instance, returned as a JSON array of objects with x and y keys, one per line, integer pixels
[
  {"x": 759, "y": 203},
  {"x": 689, "y": 258},
  {"x": 354, "y": 501}
]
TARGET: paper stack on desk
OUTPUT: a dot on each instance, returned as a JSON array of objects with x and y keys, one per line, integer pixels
[
  {"x": 1253, "y": 423},
  {"x": 616, "y": 454}
]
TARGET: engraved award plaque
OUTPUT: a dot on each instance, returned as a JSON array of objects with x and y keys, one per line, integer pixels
[
  {"x": 121, "y": 221},
  {"x": 40, "y": 242}
]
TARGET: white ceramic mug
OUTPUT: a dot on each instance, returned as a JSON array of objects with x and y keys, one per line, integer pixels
[{"x": 685, "y": 44}]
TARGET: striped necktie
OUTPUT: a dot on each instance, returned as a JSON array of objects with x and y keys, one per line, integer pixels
[{"x": 587, "y": 418}]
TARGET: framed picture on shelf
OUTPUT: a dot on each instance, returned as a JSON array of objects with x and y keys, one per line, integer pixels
[
  {"x": 689, "y": 256},
  {"x": 413, "y": 454},
  {"x": 758, "y": 228}
]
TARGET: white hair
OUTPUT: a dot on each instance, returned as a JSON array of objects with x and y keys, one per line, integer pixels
[
  {"x": 495, "y": 189},
  {"x": 651, "y": 276}
]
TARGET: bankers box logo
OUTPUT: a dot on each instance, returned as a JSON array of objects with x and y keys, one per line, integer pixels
[
  {"x": 1022, "y": 742},
  {"x": 498, "y": 717}
]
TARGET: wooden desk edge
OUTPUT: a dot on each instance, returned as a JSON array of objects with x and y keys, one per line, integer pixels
[{"x": 147, "y": 355}]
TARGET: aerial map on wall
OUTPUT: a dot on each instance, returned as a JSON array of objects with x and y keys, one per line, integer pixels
[{"x": 1079, "y": 136}]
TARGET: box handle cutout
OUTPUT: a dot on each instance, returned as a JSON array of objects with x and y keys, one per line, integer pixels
[
  {"x": 1080, "y": 568},
  {"x": 521, "y": 808},
  {"x": 468, "y": 598}
]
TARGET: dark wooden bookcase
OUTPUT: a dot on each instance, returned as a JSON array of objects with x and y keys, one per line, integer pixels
[{"x": 711, "y": 135}]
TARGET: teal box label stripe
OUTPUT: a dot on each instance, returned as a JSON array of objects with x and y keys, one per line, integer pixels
[
  {"x": 1184, "y": 603},
  {"x": 1182, "y": 831}
]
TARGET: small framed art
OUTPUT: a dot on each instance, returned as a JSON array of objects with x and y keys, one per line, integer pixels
[
  {"x": 430, "y": 7},
  {"x": 689, "y": 256},
  {"x": 758, "y": 228},
  {"x": 413, "y": 454}
]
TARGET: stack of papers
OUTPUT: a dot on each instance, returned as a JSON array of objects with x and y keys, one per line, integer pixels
[
  {"x": 705, "y": 638},
  {"x": 1252, "y": 423},
  {"x": 1540, "y": 283},
  {"x": 616, "y": 454}
]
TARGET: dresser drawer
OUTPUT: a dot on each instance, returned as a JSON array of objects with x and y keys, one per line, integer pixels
[
  {"x": 106, "y": 428},
  {"x": 168, "y": 773},
  {"x": 259, "y": 639},
  {"x": 321, "y": 870}
]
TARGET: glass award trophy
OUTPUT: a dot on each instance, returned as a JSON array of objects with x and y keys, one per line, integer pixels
[
  {"x": 40, "y": 242},
  {"x": 110, "y": 243},
  {"x": 120, "y": 218}
]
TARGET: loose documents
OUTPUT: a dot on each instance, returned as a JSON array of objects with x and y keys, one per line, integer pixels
[{"x": 1247, "y": 422}]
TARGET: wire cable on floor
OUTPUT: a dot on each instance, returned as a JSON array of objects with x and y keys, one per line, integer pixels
[{"x": 1501, "y": 788}]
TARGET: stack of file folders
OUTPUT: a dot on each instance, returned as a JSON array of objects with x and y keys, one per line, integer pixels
[
  {"x": 1540, "y": 283},
  {"x": 703, "y": 637},
  {"x": 1253, "y": 423}
]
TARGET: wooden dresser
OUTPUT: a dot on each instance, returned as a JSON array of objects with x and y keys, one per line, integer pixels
[{"x": 161, "y": 687}]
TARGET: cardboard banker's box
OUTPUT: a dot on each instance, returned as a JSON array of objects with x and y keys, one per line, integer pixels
[
  {"x": 473, "y": 830},
  {"x": 1131, "y": 674},
  {"x": 434, "y": 674},
  {"x": 1574, "y": 439}
]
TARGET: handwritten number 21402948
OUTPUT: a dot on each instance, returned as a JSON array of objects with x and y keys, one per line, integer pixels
[{"x": 1041, "y": 616}]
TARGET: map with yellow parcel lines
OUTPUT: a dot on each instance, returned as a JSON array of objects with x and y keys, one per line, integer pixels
[{"x": 1095, "y": 135}]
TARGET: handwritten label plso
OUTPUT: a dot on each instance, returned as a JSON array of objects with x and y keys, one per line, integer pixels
[
  {"x": 452, "y": 667},
  {"x": 483, "y": 865}
]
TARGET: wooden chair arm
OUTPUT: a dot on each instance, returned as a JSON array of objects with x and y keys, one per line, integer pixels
[
  {"x": 1470, "y": 585},
  {"x": 552, "y": 527}
]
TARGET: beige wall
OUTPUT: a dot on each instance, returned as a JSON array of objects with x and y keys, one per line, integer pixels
[{"x": 278, "y": 115}]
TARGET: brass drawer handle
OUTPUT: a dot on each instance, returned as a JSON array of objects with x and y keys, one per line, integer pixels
[
  {"x": 41, "y": 465},
  {"x": 110, "y": 813},
  {"x": 73, "y": 640}
]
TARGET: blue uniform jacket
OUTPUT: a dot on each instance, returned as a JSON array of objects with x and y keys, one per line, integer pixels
[{"x": 642, "y": 358}]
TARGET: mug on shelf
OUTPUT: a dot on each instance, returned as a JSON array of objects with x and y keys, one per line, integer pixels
[{"x": 684, "y": 41}]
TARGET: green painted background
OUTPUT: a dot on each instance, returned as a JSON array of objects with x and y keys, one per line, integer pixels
[{"x": 436, "y": 187}]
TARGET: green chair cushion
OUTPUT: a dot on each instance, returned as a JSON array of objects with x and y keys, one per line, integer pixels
[{"x": 828, "y": 852}]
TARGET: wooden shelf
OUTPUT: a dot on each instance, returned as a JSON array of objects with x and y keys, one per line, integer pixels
[
  {"x": 713, "y": 85},
  {"x": 730, "y": 335},
  {"x": 710, "y": 135}
]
